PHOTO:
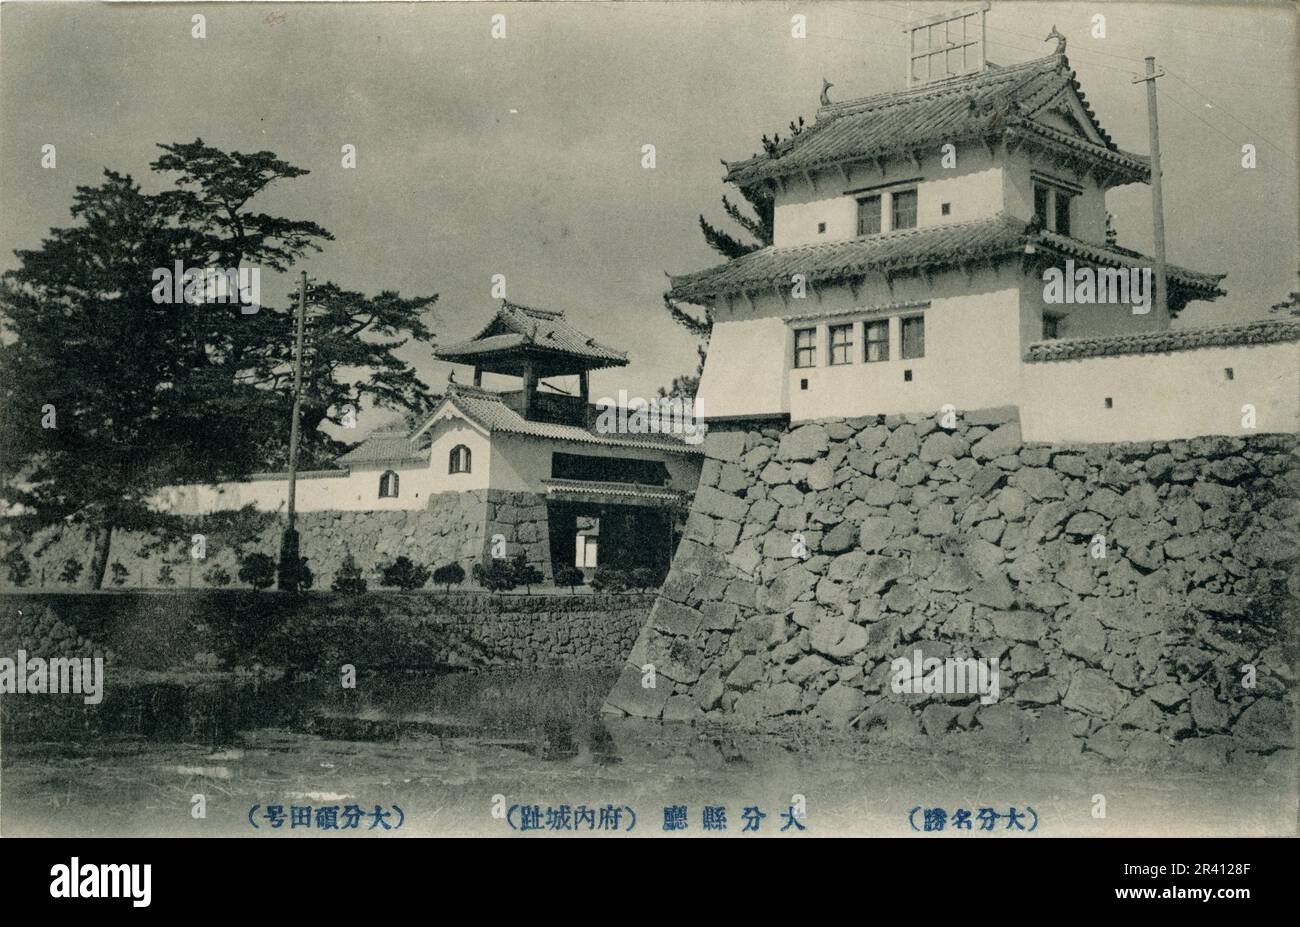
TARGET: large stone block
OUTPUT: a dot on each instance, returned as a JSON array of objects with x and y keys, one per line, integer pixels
[{"x": 805, "y": 443}]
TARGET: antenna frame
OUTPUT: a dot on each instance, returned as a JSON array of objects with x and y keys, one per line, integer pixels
[{"x": 929, "y": 54}]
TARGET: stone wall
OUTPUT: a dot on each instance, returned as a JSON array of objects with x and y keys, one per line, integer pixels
[
  {"x": 450, "y": 529},
  {"x": 813, "y": 557},
  {"x": 317, "y": 632},
  {"x": 520, "y": 518}
]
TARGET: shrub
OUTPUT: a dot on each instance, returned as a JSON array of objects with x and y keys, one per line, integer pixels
[
  {"x": 453, "y": 574},
  {"x": 165, "y": 577},
  {"x": 569, "y": 576},
  {"x": 305, "y": 576},
  {"x": 71, "y": 571},
  {"x": 498, "y": 575},
  {"x": 20, "y": 571},
  {"x": 644, "y": 577},
  {"x": 524, "y": 573},
  {"x": 404, "y": 574},
  {"x": 610, "y": 579},
  {"x": 257, "y": 570},
  {"x": 120, "y": 573},
  {"x": 217, "y": 575},
  {"x": 348, "y": 579}
]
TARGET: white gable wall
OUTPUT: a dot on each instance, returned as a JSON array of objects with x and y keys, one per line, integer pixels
[{"x": 451, "y": 430}]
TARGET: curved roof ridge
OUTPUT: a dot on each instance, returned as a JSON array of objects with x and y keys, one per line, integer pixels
[{"x": 957, "y": 84}]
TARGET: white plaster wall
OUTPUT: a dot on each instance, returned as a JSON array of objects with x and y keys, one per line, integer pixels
[
  {"x": 1162, "y": 396},
  {"x": 744, "y": 372},
  {"x": 972, "y": 354},
  {"x": 447, "y": 432},
  {"x": 1083, "y": 321},
  {"x": 1088, "y": 221},
  {"x": 973, "y": 188},
  {"x": 356, "y": 492}
]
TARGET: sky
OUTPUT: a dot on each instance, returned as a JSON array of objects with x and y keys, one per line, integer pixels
[{"x": 521, "y": 155}]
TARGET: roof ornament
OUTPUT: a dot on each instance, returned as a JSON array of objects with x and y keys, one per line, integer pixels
[
  {"x": 826, "y": 96},
  {"x": 451, "y": 378},
  {"x": 1060, "y": 40}
]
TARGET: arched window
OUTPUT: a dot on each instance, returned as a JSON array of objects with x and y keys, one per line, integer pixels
[
  {"x": 458, "y": 461},
  {"x": 388, "y": 485}
]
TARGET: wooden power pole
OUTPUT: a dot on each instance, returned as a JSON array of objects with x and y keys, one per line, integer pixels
[
  {"x": 1157, "y": 198},
  {"x": 289, "y": 559}
]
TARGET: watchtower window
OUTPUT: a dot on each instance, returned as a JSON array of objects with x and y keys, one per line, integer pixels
[{"x": 388, "y": 485}]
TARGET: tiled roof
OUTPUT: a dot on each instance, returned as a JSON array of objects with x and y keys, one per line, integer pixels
[
  {"x": 1205, "y": 285},
  {"x": 975, "y": 105},
  {"x": 516, "y": 327},
  {"x": 981, "y": 105},
  {"x": 1266, "y": 331},
  {"x": 629, "y": 490},
  {"x": 839, "y": 261},
  {"x": 384, "y": 447},
  {"x": 487, "y": 409}
]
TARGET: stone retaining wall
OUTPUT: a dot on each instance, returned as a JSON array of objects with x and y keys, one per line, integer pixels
[
  {"x": 317, "y": 632},
  {"x": 814, "y": 557},
  {"x": 455, "y": 527}
]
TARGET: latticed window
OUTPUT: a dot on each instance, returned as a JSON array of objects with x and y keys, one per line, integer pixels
[
  {"x": 1052, "y": 206},
  {"x": 1063, "y": 212},
  {"x": 913, "y": 337},
  {"x": 904, "y": 210},
  {"x": 458, "y": 461},
  {"x": 877, "y": 342},
  {"x": 805, "y": 347},
  {"x": 869, "y": 215},
  {"x": 842, "y": 344},
  {"x": 1041, "y": 194},
  {"x": 388, "y": 485}
]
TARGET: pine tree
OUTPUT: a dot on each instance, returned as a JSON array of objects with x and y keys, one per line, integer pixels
[{"x": 755, "y": 232}]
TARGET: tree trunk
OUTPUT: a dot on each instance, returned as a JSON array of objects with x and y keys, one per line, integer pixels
[{"x": 99, "y": 559}]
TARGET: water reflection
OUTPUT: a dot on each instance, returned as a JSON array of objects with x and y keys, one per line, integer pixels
[{"x": 553, "y": 713}]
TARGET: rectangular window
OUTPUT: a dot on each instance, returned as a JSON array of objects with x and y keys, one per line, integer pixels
[
  {"x": 1063, "y": 212},
  {"x": 841, "y": 344},
  {"x": 869, "y": 216},
  {"x": 805, "y": 347},
  {"x": 903, "y": 213},
  {"x": 877, "y": 343},
  {"x": 913, "y": 337},
  {"x": 1051, "y": 326},
  {"x": 1041, "y": 194}
]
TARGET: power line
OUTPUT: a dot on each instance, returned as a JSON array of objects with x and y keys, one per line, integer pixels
[{"x": 1223, "y": 109}]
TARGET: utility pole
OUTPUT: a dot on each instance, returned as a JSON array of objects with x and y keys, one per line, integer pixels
[
  {"x": 1157, "y": 198},
  {"x": 288, "y": 578}
]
